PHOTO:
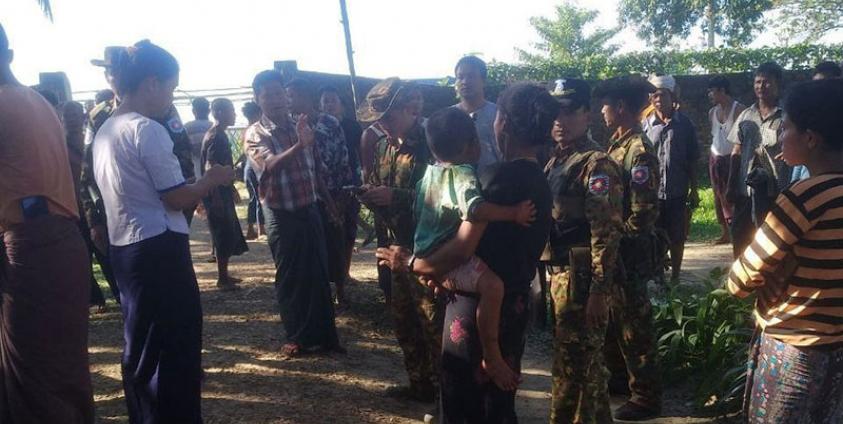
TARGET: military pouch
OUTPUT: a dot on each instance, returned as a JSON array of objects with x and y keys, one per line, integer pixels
[
  {"x": 579, "y": 286},
  {"x": 563, "y": 239}
]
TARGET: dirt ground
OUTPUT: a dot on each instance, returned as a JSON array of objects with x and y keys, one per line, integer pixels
[{"x": 248, "y": 382}]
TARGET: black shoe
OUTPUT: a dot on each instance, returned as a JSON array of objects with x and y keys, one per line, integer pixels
[
  {"x": 634, "y": 412},
  {"x": 417, "y": 394}
]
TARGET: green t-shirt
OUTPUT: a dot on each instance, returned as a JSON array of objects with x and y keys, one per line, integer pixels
[{"x": 445, "y": 197}]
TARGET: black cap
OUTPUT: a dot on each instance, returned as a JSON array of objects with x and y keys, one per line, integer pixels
[
  {"x": 620, "y": 86},
  {"x": 572, "y": 93},
  {"x": 110, "y": 56},
  {"x": 633, "y": 90}
]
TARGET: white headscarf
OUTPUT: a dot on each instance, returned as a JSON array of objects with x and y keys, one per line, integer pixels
[{"x": 664, "y": 81}]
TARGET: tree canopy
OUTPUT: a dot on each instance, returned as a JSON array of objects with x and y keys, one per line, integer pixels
[
  {"x": 661, "y": 22},
  {"x": 679, "y": 62},
  {"x": 810, "y": 20}
]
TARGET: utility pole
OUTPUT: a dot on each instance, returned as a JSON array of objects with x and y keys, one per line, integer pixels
[
  {"x": 711, "y": 15},
  {"x": 349, "y": 52}
]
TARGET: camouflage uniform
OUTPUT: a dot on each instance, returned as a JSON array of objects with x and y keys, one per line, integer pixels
[
  {"x": 418, "y": 325},
  {"x": 631, "y": 322},
  {"x": 587, "y": 196},
  {"x": 90, "y": 194},
  {"x": 181, "y": 143}
]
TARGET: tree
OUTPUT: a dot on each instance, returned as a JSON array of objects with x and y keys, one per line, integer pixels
[
  {"x": 810, "y": 20},
  {"x": 564, "y": 40},
  {"x": 46, "y": 8},
  {"x": 660, "y": 22},
  {"x": 678, "y": 62}
]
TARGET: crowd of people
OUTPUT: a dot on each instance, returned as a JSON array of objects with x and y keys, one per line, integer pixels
[{"x": 469, "y": 205}]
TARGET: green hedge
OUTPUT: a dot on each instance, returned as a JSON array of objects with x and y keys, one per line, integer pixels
[{"x": 678, "y": 62}]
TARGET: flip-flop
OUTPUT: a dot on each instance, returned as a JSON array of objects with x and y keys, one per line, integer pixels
[{"x": 290, "y": 350}]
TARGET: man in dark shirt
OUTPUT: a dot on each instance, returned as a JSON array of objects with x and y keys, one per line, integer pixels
[
  {"x": 331, "y": 103},
  {"x": 675, "y": 140}
]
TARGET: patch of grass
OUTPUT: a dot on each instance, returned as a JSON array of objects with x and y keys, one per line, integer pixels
[
  {"x": 704, "y": 225},
  {"x": 101, "y": 281}
]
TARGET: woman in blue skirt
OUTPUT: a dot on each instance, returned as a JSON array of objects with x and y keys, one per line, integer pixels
[{"x": 144, "y": 193}]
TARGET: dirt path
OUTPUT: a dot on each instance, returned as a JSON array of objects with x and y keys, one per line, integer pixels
[{"x": 248, "y": 382}]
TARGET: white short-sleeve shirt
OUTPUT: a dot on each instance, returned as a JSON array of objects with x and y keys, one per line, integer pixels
[{"x": 134, "y": 165}]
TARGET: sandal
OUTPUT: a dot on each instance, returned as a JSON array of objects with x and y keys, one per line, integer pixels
[{"x": 290, "y": 350}]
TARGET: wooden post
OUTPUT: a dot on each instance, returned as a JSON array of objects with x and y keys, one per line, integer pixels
[{"x": 349, "y": 52}]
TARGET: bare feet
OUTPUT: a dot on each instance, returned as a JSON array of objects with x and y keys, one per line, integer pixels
[
  {"x": 502, "y": 375},
  {"x": 251, "y": 234}
]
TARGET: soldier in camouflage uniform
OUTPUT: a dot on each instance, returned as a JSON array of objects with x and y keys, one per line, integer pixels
[
  {"x": 582, "y": 259},
  {"x": 631, "y": 323},
  {"x": 90, "y": 195},
  {"x": 400, "y": 158}
]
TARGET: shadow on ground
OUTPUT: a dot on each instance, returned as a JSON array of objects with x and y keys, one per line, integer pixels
[{"x": 247, "y": 381}]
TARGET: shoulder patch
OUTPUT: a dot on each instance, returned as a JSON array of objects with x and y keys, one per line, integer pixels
[
  {"x": 640, "y": 174},
  {"x": 598, "y": 184},
  {"x": 175, "y": 125}
]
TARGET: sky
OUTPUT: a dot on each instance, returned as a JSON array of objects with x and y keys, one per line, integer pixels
[{"x": 222, "y": 44}]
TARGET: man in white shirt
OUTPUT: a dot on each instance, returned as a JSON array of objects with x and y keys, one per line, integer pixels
[
  {"x": 471, "y": 75},
  {"x": 722, "y": 117}
]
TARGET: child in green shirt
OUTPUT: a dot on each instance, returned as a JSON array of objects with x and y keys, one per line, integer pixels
[{"x": 447, "y": 195}]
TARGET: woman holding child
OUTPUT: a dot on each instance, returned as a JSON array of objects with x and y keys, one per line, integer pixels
[{"x": 511, "y": 251}]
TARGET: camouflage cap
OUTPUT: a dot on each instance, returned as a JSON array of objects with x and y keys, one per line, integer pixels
[
  {"x": 572, "y": 93},
  {"x": 109, "y": 56},
  {"x": 380, "y": 99}
]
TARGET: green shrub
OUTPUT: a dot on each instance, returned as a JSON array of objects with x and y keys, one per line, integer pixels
[{"x": 705, "y": 336}]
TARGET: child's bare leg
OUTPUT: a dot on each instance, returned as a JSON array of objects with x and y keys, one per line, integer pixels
[{"x": 490, "y": 289}]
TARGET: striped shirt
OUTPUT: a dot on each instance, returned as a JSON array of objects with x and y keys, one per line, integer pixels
[{"x": 795, "y": 265}]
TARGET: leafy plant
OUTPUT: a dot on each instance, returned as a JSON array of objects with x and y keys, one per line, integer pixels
[{"x": 705, "y": 336}]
